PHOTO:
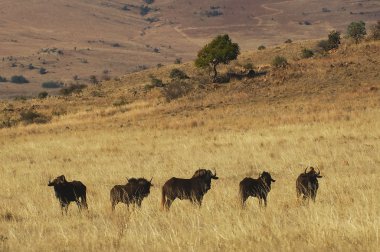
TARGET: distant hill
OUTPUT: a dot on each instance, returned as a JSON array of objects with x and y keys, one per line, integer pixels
[{"x": 74, "y": 40}]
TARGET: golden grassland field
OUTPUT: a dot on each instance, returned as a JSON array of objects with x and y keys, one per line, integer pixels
[
  {"x": 323, "y": 111},
  {"x": 345, "y": 216}
]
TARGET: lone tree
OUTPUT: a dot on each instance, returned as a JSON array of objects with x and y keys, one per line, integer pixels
[
  {"x": 356, "y": 30},
  {"x": 220, "y": 50}
]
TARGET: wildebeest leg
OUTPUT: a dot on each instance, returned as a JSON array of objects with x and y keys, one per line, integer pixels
[
  {"x": 313, "y": 195},
  {"x": 64, "y": 206},
  {"x": 138, "y": 202},
  {"x": 243, "y": 199},
  {"x": 113, "y": 204},
  {"x": 168, "y": 203},
  {"x": 265, "y": 200},
  {"x": 84, "y": 201}
]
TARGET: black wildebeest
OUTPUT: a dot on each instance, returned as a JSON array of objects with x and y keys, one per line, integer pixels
[
  {"x": 307, "y": 184},
  {"x": 69, "y": 191},
  {"x": 192, "y": 189},
  {"x": 131, "y": 193},
  {"x": 259, "y": 188}
]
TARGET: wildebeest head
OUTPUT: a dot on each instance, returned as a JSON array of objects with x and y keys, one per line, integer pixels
[
  {"x": 57, "y": 181},
  {"x": 142, "y": 185},
  {"x": 267, "y": 178},
  {"x": 207, "y": 174},
  {"x": 312, "y": 174}
]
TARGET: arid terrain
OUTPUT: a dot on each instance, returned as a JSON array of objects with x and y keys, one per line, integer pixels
[
  {"x": 75, "y": 41},
  {"x": 322, "y": 111}
]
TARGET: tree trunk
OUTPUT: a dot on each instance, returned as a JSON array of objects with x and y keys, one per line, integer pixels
[{"x": 215, "y": 72}]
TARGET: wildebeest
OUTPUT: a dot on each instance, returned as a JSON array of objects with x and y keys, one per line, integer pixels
[
  {"x": 307, "y": 184},
  {"x": 259, "y": 188},
  {"x": 133, "y": 192},
  {"x": 69, "y": 191},
  {"x": 192, "y": 189}
]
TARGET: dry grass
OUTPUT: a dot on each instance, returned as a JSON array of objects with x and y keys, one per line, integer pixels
[
  {"x": 321, "y": 112},
  {"x": 345, "y": 216}
]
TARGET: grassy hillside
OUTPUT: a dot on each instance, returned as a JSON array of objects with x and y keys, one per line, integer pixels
[
  {"x": 74, "y": 40},
  {"x": 322, "y": 111}
]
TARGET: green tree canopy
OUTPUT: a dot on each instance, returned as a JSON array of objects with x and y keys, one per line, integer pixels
[
  {"x": 220, "y": 50},
  {"x": 356, "y": 30}
]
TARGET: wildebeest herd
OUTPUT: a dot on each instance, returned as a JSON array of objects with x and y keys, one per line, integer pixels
[{"x": 193, "y": 189}]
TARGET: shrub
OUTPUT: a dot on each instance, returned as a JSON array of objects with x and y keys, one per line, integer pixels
[
  {"x": 176, "y": 90},
  {"x": 248, "y": 65},
  {"x": 332, "y": 42},
  {"x": 288, "y": 41},
  {"x": 93, "y": 79},
  {"x": 261, "y": 47},
  {"x": 126, "y": 7},
  {"x": 375, "y": 31},
  {"x": 307, "y": 53},
  {"x": 156, "y": 82},
  {"x": 3, "y": 79},
  {"x": 42, "y": 70},
  {"x": 43, "y": 95},
  {"x": 120, "y": 102},
  {"x": 31, "y": 67},
  {"x": 30, "y": 116},
  {"x": 149, "y": 1},
  {"x": 19, "y": 79},
  {"x": 159, "y": 65},
  {"x": 73, "y": 88},
  {"x": 144, "y": 9},
  {"x": 334, "y": 39},
  {"x": 178, "y": 61},
  {"x": 52, "y": 84},
  {"x": 356, "y": 31},
  {"x": 178, "y": 74},
  {"x": 279, "y": 62}
]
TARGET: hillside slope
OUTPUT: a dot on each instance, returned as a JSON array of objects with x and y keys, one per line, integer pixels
[{"x": 111, "y": 38}]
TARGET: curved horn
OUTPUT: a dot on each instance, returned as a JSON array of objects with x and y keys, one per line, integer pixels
[
  {"x": 150, "y": 181},
  {"x": 306, "y": 170},
  {"x": 319, "y": 172},
  {"x": 214, "y": 172}
]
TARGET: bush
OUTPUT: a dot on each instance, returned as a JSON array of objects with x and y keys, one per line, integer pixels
[
  {"x": 31, "y": 67},
  {"x": 307, "y": 53},
  {"x": 19, "y": 79},
  {"x": 42, "y": 70},
  {"x": 149, "y": 1},
  {"x": 332, "y": 42},
  {"x": 356, "y": 31},
  {"x": 178, "y": 74},
  {"x": 144, "y": 10},
  {"x": 248, "y": 65},
  {"x": 43, "y": 95},
  {"x": 156, "y": 82},
  {"x": 178, "y": 61},
  {"x": 3, "y": 79},
  {"x": 30, "y": 116},
  {"x": 375, "y": 31},
  {"x": 261, "y": 47},
  {"x": 288, "y": 41},
  {"x": 73, "y": 88},
  {"x": 176, "y": 90},
  {"x": 52, "y": 84},
  {"x": 93, "y": 79},
  {"x": 279, "y": 62}
]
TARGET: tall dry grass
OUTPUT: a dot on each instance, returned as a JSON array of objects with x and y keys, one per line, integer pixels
[{"x": 344, "y": 218}]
